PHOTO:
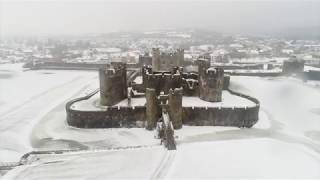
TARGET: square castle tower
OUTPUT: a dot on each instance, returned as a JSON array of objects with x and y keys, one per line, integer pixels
[{"x": 165, "y": 61}]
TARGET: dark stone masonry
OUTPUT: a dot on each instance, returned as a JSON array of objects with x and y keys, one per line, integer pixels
[
  {"x": 113, "y": 84},
  {"x": 293, "y": 66}
]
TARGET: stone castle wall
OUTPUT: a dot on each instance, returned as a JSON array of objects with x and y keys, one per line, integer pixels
[
  {"x": 223, "y": 116},
  {"x": 226, "y": 116},
  {"x": 136, "y": 116},
  {"x": 209, "y": 82},
  {"x": 113, "y": 117}
]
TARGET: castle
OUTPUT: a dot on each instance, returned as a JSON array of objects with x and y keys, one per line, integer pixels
[
  {"x": 167, "y": 95},
  {"x": 165, "y": 91}
]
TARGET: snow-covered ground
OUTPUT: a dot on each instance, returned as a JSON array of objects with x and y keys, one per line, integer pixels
[
  {"x": 28, "y": 96},
  {"x": 308, "y": 68},
  {"x": 133, "y": 163},
  {"x": 291, "y": 103},
  {"x": 138, "y": 80},
  {"x": 256, "y": 158},
  {"x": 285, "y": 143}
]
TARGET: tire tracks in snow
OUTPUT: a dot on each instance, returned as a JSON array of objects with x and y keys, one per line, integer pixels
[
  {"x": 34, "y": 98},
  {"x": 33, "y": 103},
  {"x": 18, "y": 123},
  {"x": 164, "y": 166}
]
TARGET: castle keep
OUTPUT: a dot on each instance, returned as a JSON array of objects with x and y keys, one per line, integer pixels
[
  {"x": 165, "y": 92},
  {"x": 164, "y": 61}
]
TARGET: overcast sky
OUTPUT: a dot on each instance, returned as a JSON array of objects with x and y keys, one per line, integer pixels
[{"x": 76, "y": 17}]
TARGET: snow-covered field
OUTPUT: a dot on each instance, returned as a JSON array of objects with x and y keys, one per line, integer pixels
[
  {"x": 28, "y": 96},
  {"x": 285, "y": 143},
  {"x": 291, "y": 103}
]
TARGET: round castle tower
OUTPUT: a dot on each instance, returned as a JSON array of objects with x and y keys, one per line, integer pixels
[
  {"x": 113, "y": 84},
  {"x": 210, "y": 81}
]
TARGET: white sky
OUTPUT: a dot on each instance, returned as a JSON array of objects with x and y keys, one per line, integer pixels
[{"x": 76, "y": 17}]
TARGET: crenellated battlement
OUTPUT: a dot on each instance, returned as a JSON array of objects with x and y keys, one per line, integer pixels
[
  {"x": 165, "y": 76},
  {"x": 115, "y": 69},
  {"x": 215, "y": 72},
  {"x": 161, "y": 81}
]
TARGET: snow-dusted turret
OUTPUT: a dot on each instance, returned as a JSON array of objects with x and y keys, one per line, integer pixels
[
  {"x": 113, "y": 84},
  {"x": 210, "y": 81}
]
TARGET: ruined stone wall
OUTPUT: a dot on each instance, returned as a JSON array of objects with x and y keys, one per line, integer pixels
[
  {"x": 210, "y": 82},
  {"x": 113, "y": 84}
]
